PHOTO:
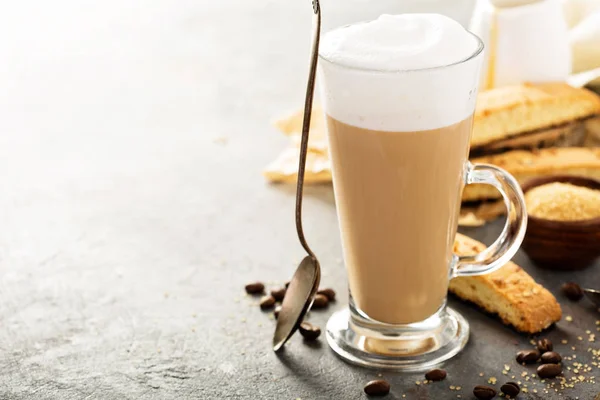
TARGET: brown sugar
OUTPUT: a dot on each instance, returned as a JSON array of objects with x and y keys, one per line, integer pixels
[{"x": 563, "y": 202}]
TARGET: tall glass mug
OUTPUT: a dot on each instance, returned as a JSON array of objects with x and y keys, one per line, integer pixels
[{"x": 399, "y": 141}]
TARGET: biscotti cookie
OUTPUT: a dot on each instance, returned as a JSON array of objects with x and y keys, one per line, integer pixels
[
  {"x": 524, "y": 165},
  {"x": 568, "y": 135},
  {"x": 518, "y": 110},
  {"x": 508, "y": 292}
]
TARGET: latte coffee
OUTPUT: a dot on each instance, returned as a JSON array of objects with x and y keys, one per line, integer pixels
[
  {"x": 399, "y": 122},
  {"x": 398, "y": 199}
]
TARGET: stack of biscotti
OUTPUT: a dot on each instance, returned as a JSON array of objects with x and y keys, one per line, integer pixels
[
  {"x": 521, "y": 117},
  {"x": 508, "y": 292}
]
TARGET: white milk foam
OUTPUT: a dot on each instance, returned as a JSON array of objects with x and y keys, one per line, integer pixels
[{"x": 381, "y": 74}]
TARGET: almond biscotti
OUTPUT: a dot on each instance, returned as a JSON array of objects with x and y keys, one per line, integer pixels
[
  {"x": 509, "y": 292},
  {"x": 524, "y": 165},
  {"x": 573, "y": 134},
  {"x": 511, "y": 111}
]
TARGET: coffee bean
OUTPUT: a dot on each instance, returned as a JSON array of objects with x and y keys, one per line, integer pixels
[
  {"x": 279, "y": 294},
  {"x": 436, "y": 375},
  {"x": 572, "y": 291},
  {"x": 544, "y": 345},
  {"x": 551, "y": 357},
  {"x": 320, "y": 301},
  {"x": 255, "y": 288},
  {"x": 287, "y": 284},
  {"x": 329, "y": 293},
  {"x": 276, "y": 312},
  {"x": 528, "y": 356},
  {"x": 510, "y": 389},
  {"x": 484, "y": 392},
  {"x": 549, "y": 370},
  {"x": 267, "y": 302},
  {"x": 309, "y": 331},
  {"x": 378, "y": 387}
]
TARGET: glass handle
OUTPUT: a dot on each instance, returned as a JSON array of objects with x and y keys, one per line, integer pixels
[{"x": 507, "y": 244}]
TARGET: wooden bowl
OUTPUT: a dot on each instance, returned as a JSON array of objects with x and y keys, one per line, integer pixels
[{"x": 565, "y": 245}]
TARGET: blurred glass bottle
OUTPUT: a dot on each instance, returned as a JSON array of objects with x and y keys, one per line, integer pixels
[{"x": 526, "y": 41}]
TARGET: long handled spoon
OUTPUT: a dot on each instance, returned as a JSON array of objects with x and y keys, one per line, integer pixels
[{"x": 305, "y": 283}]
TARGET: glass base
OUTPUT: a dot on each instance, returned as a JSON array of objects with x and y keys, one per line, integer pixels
[{"x": 412, "y": 347}]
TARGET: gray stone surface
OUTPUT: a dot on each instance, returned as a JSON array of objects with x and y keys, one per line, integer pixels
[{"x": 132, "y": 210}]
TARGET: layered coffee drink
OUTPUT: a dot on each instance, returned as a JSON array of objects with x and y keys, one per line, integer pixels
[
  {"x": 399, "y": 97},
  {"x": 399, "y": 122}
]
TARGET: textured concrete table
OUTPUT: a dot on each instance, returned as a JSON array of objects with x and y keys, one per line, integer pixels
[{"x": 132, "y": 210}]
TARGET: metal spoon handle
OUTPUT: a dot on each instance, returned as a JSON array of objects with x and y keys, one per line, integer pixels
[{"x": 310, "y": 90}]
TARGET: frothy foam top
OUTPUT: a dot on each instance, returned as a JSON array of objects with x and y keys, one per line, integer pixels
[
  {"x": 399, "y": 42},
  {"x": 382, "y": 75}
]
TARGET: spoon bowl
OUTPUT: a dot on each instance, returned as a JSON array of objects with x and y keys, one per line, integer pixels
[{"x": 297, "y": 301}]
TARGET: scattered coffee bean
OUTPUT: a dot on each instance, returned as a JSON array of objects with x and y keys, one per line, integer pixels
[
  {"x": 320, "y": 301},
  {"x": 309, "y": 331},
  {"x": 436, "y": 375},
  {"x": 279, "y": 294},
  {"x": 329, "y": 293},
  {"x": 551, "y": 357},
  {"x": 510, "y": 389},
  {"x": 287, "y": 284},
  {"x": 528, "y": 356},
  {"x": 572, "y": 291},
  {"x": 276, "y": 312},
  {"x": 544, "y": 345},
  {"x": 377, "y": 388},
  {"x": 484, "y": 392},
  {"x": 267, "y": 302},
  {"x": 255, "y": 288},
  {"x": 549, "y": 370}
]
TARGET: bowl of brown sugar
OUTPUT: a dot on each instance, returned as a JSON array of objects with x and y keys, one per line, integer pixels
[{"x": 563, "y": 229}]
